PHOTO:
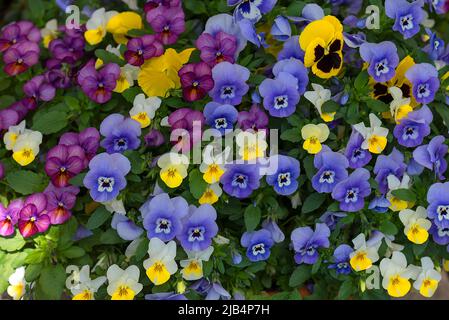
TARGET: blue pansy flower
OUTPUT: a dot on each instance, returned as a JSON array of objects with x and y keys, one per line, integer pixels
[
  {"x": 284, "y": 179},
  {"x": 379, "y": 204},
  {"x": 352, "y": 191},
  {"x": 341, "y": 259},
  {"x": 331, "y": 170},
  {"x": 412, "y": 129},
  {"x": 251, "y": 9},
  {"x": 220, "y": 116},
  {"x": 280, "y": 95},
  {"x": 229, "y": 83},
  {"x": 291, "y": 49},
  {"x": 249, "y": 33},
  {"x": 126, "y": 228},
  {"x": 120, "y": 133},
  {"x": 425, "y": 82},
  {"x": 240, "y": 180},
  {"x": 296, "y": 68},
  {"x": 407, "y": 16},
  {"x": 386, "y": 165},
  {"x": 281, "y": 29},
  {"x": 356, "y": 155},
  {"x": 306, "y": 242},
  {"x": 258, "y": 244},
  {"x": 382, "y": 59}
]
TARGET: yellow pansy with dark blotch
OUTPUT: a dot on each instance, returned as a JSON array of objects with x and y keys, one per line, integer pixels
[{"x": 322, "y": 42}]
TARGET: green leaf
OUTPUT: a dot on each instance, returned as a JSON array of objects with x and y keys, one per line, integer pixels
[
  {"x": 25, "y": 182},
  {"x": 50, "y": 121},
  {"x": 346, "y": 289},
  {"x": 36, "y": 8},
  {"x": 196, "y": 6},
  {"x": 74, "y": 252},
  {"x": 252, "y": 217},
  {"x": 361, "y": 81},
  {"x": 292, "y": 135},
  {"x": 404, "y": 194},
  {"x": 108, "y": 57},
  {"x": 300, "y": 275},
  {"x": 388, "y": 227},
  {"x": 330, "y": 106},
  {"x": 12, "y": 244},
  {"x": 78, "y": 180},
  {"x": 35, "y": 256},
  {"x": 197, "y": 183},
  {"x": 316, "y": 266},
  {"x": 98, "y": 218},
  {"x": 52, "y": 282},
  {"x": 131, "y": 93},
  {"x": 110, "y": 237},
  {"x": 33, "y": 271},
  {"x": 443, "y": 111},
  {"x": 377, "y": 105},
  {"x": 313, "y": 202},
  {"x": 137, "y": 163}
]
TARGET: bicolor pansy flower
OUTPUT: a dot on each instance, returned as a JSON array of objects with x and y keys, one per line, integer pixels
[
  {"x": 352, "y": 191},
  {"x": 123, "y": 284},
  {"x": 364, "y": 254},
  {"x": 258, "y": 244},
  {"x": 17, "y": 284},
  {"x": 332, "y": 168},
  {"x": 161, "y": 263},
  {"x": 307, "y": 241},
  {"x": 375, "y": 136},
  {"x": 192, "y": 267},
  {"x": 428, "y": 279},
  {"x": 314, "y": 135},
  {"x": 173, "y": 168},
  {"x": 285, "y": 178},
  {"x": 86, "y": 288},
  {"x": 416, "y": 224},
  {"x": 144, "y": 109}
]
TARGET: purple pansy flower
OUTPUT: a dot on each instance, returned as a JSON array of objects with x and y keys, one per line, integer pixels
[
  {"x": 250, "y": 9},
  {"x": 276, "y": 233},
  {"x": 88, "y": 139},
  {"x": 331, "y": 218},
  {"x": 408, "y": 16},
  {"x": 331, "y": 170},
  {"x": 225, "y": 23},
  {"x": 106, "y": 176},
  {"x": 413, "y": 128},
  {"x": 250, "y": 33},
  {"x": 438, "y": 209},
  {"x": 379, "y": 204},
  {"x": 306, "y": 242},
  {"x": 296, "y": 68},
  {"x": 281, "y": 30},
  {"x": 69, "y": 49},
  {"x": 20, "y": 57},
  {"x": 154, "y": 4},
  {"x": 120, "y": 133},
  {"x": 386, "y": 165},
  {"x": 198, "y": 228},
  {"x": 280, "y": 95},
  {"x": 196, "y": 81},
  {"x": 229, "y": 83},
  {"x": 382, "y": 59},
  {"x": 255, "y": 119},
  {"x": 58, "y": 74},
  {"x": 258, "y": 244},
  {"x": 154, "y": 138},
  {"x": 9, "y": 217},
  {"x": 432, "y": 156},
  {"x": 38, "y": 89},
  {"x": 218, "y": 48},
  {"x": 162, "y": 216},
  {"x": 186, "y": 126},
  {"x": 33, "y": 216},
  {"x": 352, "y": 191},
  {"x": 8, "y": 117},
  {"x": 425, "y": 82},
  {"x": 63, "y": 163},
  {"x": 414, "y": 168},
  {"x": 240, "y": 180},
  {"x": 212, "y": 290},
  {"x": 99, "y": 84},
  {"x": 126, "y": 228},
  {"x": 220, "y": 116},
  {"x": 60, "y": 202},
  {"x": 291, "y": 49},
  {"x": 341, "y": 259},
  {"x": 167, "y": 23},
  {"x": 143, "y": 48},
  {"x": 285, "y": 179},
  {"x": 18, "y": 32}
]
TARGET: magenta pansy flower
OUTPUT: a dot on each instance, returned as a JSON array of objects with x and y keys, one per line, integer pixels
[
  {"x": 196, "y": 81},
  {"x": 20, "y": 57},
  {"x": 143, "y": 48},
  {"x": 63, "y": 163},
  {"x": 33, "y": 217},
  {"x": 60, "y": 201},
  {"x": 217, "y": 48},
  {"x": 9, "y": 217}
]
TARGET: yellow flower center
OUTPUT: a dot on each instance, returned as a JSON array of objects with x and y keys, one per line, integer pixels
[
  {"x": 85, "y": 295},
  {"x": 158, "y": 273},
  {"x": 360, "y": 261},
  {"x": 123, "y": 293}
]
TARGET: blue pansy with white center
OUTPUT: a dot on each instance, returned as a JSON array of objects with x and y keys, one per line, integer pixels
[
  {"x": 220, "y": 116},
  {"x": 258, "y": 244},
  {"x": 407, "y": 15},
  {"x": 306, "y": 242},
  {"x": 352, "y": 191},
  {"x": 435, "y": 48},
  {"x": 284, "y": 179},
  {"x": 120, "y": 133},
  {"x": 106, "y": 176},
  {"x": 229, "y": 83},
  {"x": 162, "y": 216},
  {"x": 331, "y": 170},
  {"x": 382, "y": 59},
  {"x": 280, "y": 95},
  {"x": 439, "y": 234},
  {"x": 412, "y": 129},
  {"x": 251, "y": 9},
  {"x": 438, "y": 208},
  {"x": 341, "y": 259},
  {"x": 240, "y": 180},
  {"x": 425, "y": 82},
  {"x": 296, "y": 68},
  {"x": 356, "y": 156}
]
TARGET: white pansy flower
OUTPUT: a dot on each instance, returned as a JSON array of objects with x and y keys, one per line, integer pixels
[
  {"x": 416, "y": 224},
  {"x": 144, "y": 109},
  {"x": 428, "y": 278},
  {"x": 17, "y": 284},
  {"x": 123, "y": 284},
  {"x": 394, "y": 183},
  {"x": 96, "y": 25},
  {"x": 10, "y": 137},
  {"x": 251, "y": 145},
  {"x": 49, "y": 32},
  {"x": 193, "y": 265},
  {"x": 115, "y": 206},
  {"x": 161, "y": 263},
  {"x": 318, "y": 97},
  {"x": 375, "y": 136},
  {"x": 364, "y": 254},
  {"x": 86, "y": 288},
  {"x": 399, "y": 106}
]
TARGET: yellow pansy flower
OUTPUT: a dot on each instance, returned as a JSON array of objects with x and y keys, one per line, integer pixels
[
  {"x": 375, "y": 136},
  {"x": 86, "y": 288},
  {"x": 26, "y": 147},
  {"x": 123, "y": 284},
  {"x": 96, "y": 25},
  {"x": 318, "y": 97},
  {"x": 144, "y": 109},
  {"x": 251, "y": 145},
  {"x": 314, "y": 135},
  {"x": 394, "y": 183},
  {"x": 400, "y": 107},
  {"x": 428, "y": 279},
  {"x": 396, "y": 274},
  {"x": 17, "y": 284},
  {"x": 211, "y": 194},
  {"x": 161, "y": 263},
  {"x": 364, "y": 255},
  {"x": 193, "y": 265},
  {"x": 416, "y": 224},
  {"x": 158, "y": 75},
  {"x": 121, "y": 23},
  {"x": 128, "y": 74},
  {"x": 10, "y": 137},
  {"x": 173, "y": 168}
]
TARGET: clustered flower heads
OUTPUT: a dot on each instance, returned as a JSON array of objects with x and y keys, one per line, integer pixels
[{"x": 151, "y": 155}]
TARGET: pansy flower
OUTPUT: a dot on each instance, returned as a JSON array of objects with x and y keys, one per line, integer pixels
[
  {"x": 9, "y": 217},
  {"x": 416, "y": 224},
  {"x": 17, "y": 284},
  {"x": 314, "y": 135},
  {"x": 196, "y": 81},
  {"x": 144, "y": 109},
  {"x": 352, "y": 191},
  {"x": 249, "y": 32},
  {"x": 38, "y": 89},
  {"x": 123, "y": 284},
  {"x": 120, "y": 133},
  {"x": 255, "y": 119},
  {"x": 393, "y": 164},
  {"x": 432, "y": 156},
  {"x": 332, "y": 218},
  {"x": 400, "y": 107},
  {"x": 211, "y": 290},
  {"x": 251, "y": 146},
  {"x": 167, "y": 23},
  {"x": 331, "y": 170},
  {"x": 220, "y": 116},
  {"x": 276, "y": 233},
  {"x": 26, "y": 147},
  {"x": 428, "y": 278},
  {"x": 211, "y": 195},
  {"x": 356, "y": 155},
  {"x": 225, "y": 23},
  {"x": 281, "y": 29},
  {"x": 375, "y": 136},
  {"x": 306, "y": 242},
  {"x": 49, "y": 32},
  {"x": 212, "y": 166},
  {"x": 33, "y": 217},
  {"x": 438, "y": 208},
  {"x": 162, "y": 216},
  {"x": 20, "y": 57},
  {"x": 192, "y": 267},
  {"x": 240, "y": 180},
  {"x": 251, "y": 10},
  {"x": 394, "y": 183},
  {"x": 60, "y": 202},
  {"x": 88, "y": 139},
  {"x": 407, "y": 15},
  {"x": 425, "y": 82},
  {"x": 229, "y": 83},
  {"x": 14, "y": 132},
  {"x": 106, "y": 176},
  {"x": 125, "y": 227},
  {"x": 322, "y": 42},
  {"x": 280, "y": 95},
  {"x": 382, "y": 59},
  {"x": 186, "y": 128},
  {"x": 218, "y": 48},
  {"x": 285, "y": 179},
  {"x": 161, "y": 263},
  {"x": 96, "y": 25},
  {"x": 18, "y": 32},
  {"x": 154, "y": 138},
  {"x": 143, "y": 48},
  {"x": 318, "y": 97},
  {"x": 68, "y": 50},
  {"x": 364, "y": 254},
  {"x": 63, "y": 163},
  {"x": 257, "y": 244},
  {"x": 341, "y": 259},
  {"x": 120, "y": 24},
  {"x": 86, "y": 287},
  {"x": 173, "y": 168},
  {"x": 199, "y": 227}
]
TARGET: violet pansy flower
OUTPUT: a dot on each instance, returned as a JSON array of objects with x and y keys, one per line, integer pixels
[
  {"x": 220, "y": 116},
  {"x": 251, "y": 10},
  {"x": 21, "y": 57},
  {"x": 196, "y": 81},
  {"x": 411, "y": 130},
  {"x": 229, "y": 83},
  {"x": 9, "y": 217},
  {"x": 38, "y": 89},
  {"x": 18, "y": 32},
  {"x": 331, "y": 170},
  {"x": 255, "y": 119},
  {"x": 425, "y": 82},
  {"x": 63, "y": 163},
  {"x": 438, "y": 209},
  {"x": 386, "y": 165},
  {"x": 407, "y": 16},
  {"x": 240, "y": 180},
  {"x": 141, "y": 49},
  {"x": 382, "y": 59},
  {"x": 225, "y": 23},
  {"x": 186, "y": 125},
  {"x": 126, "y": 228},
  {"x": 33, "y": 216},
  {"x": 218, "y": 48},
  {"x": 432, "y": 156},
  {"x": 60, "y": 202},
  {"x": 285, "y": 179},
  {"x": 120, "y": 133},
  {"x": 341, "y": 259},
  {"x": 306, "y": 242},
  {"x": 281, "y": 29},
  {"x": 352, "y": 191},
  {"x": 88, "y": 139},
  {"x": 258, "y": 244},
  {"x": 167, "y": 23}
]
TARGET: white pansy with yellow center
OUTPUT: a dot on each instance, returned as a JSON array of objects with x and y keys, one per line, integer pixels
[
  {"x": 416, "y": 225},
  {"x": 428, "y": 279},
  {"x": 86, "y": 288},
  {"x": 26, "y": 147},
  {"x": 314, "y": 135},
  {"x": 211, "y": 194},
  {"x": 251, "y": 145},
  {"x": 17, "y": 284},
  {"x": 318, "y": 97},
  {"x": 128, "y": 75},
  {"x": 144, "y": 109},
  {"x": 10, "y": 137},
  {"x": 394, "y": 183},
  {"x": 96, "y": 25},
  {"x": 400, "y": 106},
  {"x": 193, "y": 265},
  {"x": 161, "y": 264},
  {"x": 213, "y": 165},
  {"x": 50, "y": 32},
  {"x": 123, "y": 284},
  {"x": 375, "y": 136},
  {"x": 396, "y": 274},
  {"x": 364, "y": 254},
  {"x": 173, "y": 168}
]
